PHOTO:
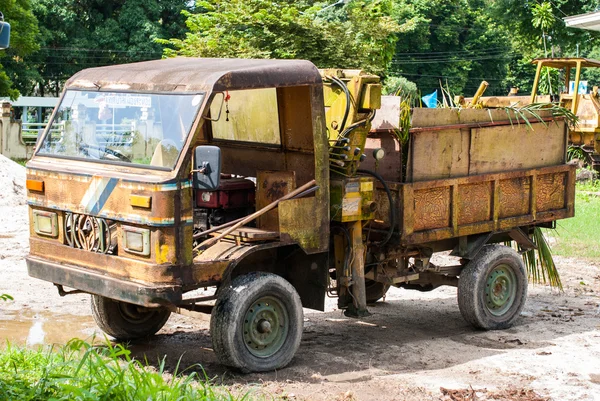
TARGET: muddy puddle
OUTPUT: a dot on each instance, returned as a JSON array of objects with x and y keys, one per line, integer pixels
[{"x": 44, "y": 328}]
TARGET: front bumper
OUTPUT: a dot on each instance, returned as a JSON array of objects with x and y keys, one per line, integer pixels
[{"x": 101, "y": 284}]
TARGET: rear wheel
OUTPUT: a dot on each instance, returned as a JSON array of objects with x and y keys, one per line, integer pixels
[
  {"x": 492, "y": 288},
  {"x": 126, "y": 321},
  {"x": 256, "y": 324},
  {"x": 375, "y": 290}
]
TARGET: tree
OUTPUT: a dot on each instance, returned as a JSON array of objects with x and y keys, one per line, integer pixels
[
  {"x": 525, "y": 20},
  {"x": 80, "y": 34},
  {"x": 22, "y": 42},
  {"x": 455, "y": 43},
  {"x": 360, "y": 35},
  {"x": 543, "y": 19}
]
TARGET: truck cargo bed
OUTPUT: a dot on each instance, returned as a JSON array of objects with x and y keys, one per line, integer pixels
[{"x": 440, "y": 209}]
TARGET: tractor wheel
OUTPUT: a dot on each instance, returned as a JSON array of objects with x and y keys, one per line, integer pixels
[
  {"x": 126, "y": 321},
  {"x": 256, "y": 324},
  {"x": 492, "y": 288}
]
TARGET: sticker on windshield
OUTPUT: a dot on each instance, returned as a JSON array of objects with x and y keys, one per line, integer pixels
[{"x": 128, "y": 100}]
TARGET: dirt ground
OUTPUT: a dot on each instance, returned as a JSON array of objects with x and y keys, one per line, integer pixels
[{"x": 416, "y": 346}]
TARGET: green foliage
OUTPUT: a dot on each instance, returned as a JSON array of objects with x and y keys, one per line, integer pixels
[
  {"x": 524, "y": 19},
  {"x": 359, "y": 36},
  {"x": 550, "y": 82},
  {"x": 539, "y": 262},
  {"x": 399, "y": 86},
  {"x": 6, "y": 297},
  {"x": 576, "y": 152},
  {"x": 75, "y": 35},
  {"x": 579, "y": 236},
  {"x": 535, "y": 23},
  {"x": 585, "y": 187},
  {"x": 456, "y": 41},
  {"x": 542, "y": 16},
  {"x": 80, "y": 371},
  {"x": 22, "y": 42}
]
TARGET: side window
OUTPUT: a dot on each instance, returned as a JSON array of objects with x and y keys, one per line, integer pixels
[{"x": 253, "y": 117}]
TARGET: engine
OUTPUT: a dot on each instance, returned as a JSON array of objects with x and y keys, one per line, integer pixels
[{"x": 234, "y": 199}]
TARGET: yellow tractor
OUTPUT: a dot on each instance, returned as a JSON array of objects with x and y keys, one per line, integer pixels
[{"x": 584, "y": 103}]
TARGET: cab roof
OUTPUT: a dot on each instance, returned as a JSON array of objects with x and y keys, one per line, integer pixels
[
  {"x": 187, "y": 74},
  {"x": 567, "y": 62}
]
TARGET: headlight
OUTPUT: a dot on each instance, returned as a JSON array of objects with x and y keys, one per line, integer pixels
[
  {"x": 136, "y": 240},
  {"x": 45, "y": 223}
]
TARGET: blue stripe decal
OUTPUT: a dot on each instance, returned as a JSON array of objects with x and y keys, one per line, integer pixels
[
  {"x": 102, "y": 197},
  {"x": 122, "y": 219}
]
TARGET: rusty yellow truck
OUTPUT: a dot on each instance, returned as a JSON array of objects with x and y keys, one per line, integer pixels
[{"x": 263, "y": 180}]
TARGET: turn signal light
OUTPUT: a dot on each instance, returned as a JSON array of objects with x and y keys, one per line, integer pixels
[
  {"x": 141, "y": 201},
  {"x": 35, "y": 185}
]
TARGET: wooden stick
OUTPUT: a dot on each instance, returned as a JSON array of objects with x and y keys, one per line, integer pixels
[
  {"x": 230, "y": 223},
  {"x": 211, "y": 241},
  {"x": 217, "y": 228}
]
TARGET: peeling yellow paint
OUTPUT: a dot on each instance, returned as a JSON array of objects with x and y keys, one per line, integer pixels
[{"x": 162, "y": 254}]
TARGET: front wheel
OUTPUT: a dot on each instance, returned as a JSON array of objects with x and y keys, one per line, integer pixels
[
  {"x": 256, "y": 324},
  {"x": 492, "y": 288},
  {"x": 126, "y": 321}
]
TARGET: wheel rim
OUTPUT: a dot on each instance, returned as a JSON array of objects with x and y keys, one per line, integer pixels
[
  {"x": 135, "y": 314},
  {"x": 500, "y": 290},
  {"x": 266, "y": 325}
]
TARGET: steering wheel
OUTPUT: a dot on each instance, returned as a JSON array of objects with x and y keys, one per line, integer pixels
[{"x": 112, "y": 152}]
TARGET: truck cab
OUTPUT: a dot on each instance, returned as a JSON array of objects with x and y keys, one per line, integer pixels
[{"x": 114, "y": 201}]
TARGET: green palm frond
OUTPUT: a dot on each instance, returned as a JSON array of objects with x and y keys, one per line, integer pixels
[
  {"x": 540, "y": 264},
  {"x": 533, "y": 111},
  {"x": 576, "y": 152}
]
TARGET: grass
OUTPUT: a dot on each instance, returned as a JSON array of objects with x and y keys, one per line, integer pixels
[
  {"x": 85, "y": 372},
  {"x": 579, "y": 236},
  {"x": 22, "y": 162}
]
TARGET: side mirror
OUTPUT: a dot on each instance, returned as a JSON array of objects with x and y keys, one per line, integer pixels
[
  {"x": 207, "y": 169},
  {"x": 216, "y": 106},
  {"x": 4, "y": 34}
]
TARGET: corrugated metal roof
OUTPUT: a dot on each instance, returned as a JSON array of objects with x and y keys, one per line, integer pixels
[
  {"x": 567, "y": 62},
  {"x": 589, "y": 21},
  {"x": 186, "y": 74}
]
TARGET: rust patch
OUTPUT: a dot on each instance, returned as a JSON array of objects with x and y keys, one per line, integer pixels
[
  {"x": 275, "y": 189},
  {"x": 474, "y": 203},
  {"x": 513, "y": 197},
  {"x": 432, "y": 208},
  {"x": 272, "y": 185},
  {"x": 550, "y": 191}
]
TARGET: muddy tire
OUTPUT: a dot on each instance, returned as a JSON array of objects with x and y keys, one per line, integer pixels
[
  {"x": 492, "y": 288},
  {"x": 125, "y": 321},
  {"x": 256, "y": 324},
  {"x": 375, "y": 290}
]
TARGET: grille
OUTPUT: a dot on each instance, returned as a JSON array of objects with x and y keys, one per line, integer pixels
[{"x": 89, "y": 233}]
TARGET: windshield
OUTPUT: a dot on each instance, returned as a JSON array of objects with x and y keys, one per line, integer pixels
[{"x": 135, "y": 128}]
